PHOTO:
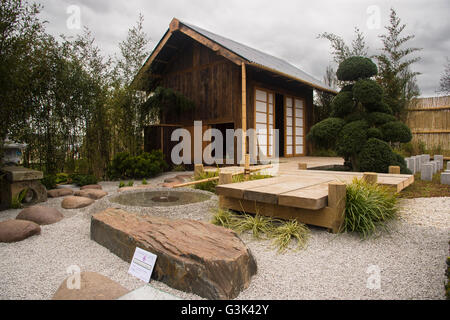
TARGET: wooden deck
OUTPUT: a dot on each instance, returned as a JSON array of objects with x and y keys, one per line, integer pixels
[{"x": 300, "y": 194}]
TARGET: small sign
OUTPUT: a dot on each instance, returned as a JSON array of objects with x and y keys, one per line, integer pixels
[{"x": 142, "y": 265}]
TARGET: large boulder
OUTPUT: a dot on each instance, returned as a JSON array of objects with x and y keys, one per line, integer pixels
[
  {"x": 193, "y": 256},
  {"x": 93, "y": 286},
  {"x": 18, "y": 230},
  {"x": 76, "y": 202},
  {"x": 40, "y": 215},
  {"x": 56, "y": 193},
  {"x": 94, "y": 194},
  {"x": 92, "y": 186}
]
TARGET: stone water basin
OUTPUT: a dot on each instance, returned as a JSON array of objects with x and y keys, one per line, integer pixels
[{"x": 160, "y": 198}]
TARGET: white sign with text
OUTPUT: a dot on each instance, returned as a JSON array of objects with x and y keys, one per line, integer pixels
[{"x": 142, "y": 265}]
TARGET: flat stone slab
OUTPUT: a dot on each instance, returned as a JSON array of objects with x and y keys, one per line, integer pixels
[
  {"x": 41, "y": 215},
  {"x": 92, "y": 186},
  {"x": 148, "y": 293},
  {"x": 94, "y": 194},
  {"x": 14, "y": 174},
  {"x": 93, "y": 286},
  {"x": 57, "y": 193},
  {"x": 18, "y": 230},
  {"x": 74, "y": 202},
  {"x": 193, "y": 256}
]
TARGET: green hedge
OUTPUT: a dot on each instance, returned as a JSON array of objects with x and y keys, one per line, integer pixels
[
  {"x": 352, "y": 138},
  {"x": 368, "y": 92},
  {"x": 326, "y": 132},
  {"x": 343, "y": 104},
  {"x": 356, "y": 68},
  {"x": 396, "y": 132},
  {"x": 145, "y": 165},
  {"x": 376, "y": 156}
]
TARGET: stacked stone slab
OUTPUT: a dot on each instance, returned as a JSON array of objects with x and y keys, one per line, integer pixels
[
  {"x": 411, "y": 164},
  {"x": 427, "y": 171},
  {"x": 440, "y": 161},
  {"x": 448, "y": 166},
  {"x": 445, "y": 178}
]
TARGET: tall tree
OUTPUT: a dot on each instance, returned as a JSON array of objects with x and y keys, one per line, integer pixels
[
  {"x": 20, "y": 28},
  {"x": 342, "y": 51},
  {"x": 323, "y": 100},
  {"x": 444, "y": 85},
  {"x": 127, "y": 102},
  {"x": 395, "y": 66}
]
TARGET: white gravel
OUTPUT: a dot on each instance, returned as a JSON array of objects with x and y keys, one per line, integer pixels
[{"x": 411, "y": 258}]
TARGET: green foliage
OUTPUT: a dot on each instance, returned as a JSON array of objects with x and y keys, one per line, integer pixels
[
  {"x": 287, "y": 231},
  {"x": 374, "y": 133},
  {"x": 145, "y": 165},
  {"x": 325, "y": 133},
  {"x": 62, "y": 178},
  {"x": 144, "y": 182},
  {"x": 17, "y": 200},
  {"x": 130, "y": 184},
  {"x": 168, "y": 100},
  {"x": 376, "y": 156},
  {"x": 83, "y": 179},
  {"x": 368, "y": 92},
  {"x": 352, "y": 138},
  {"x": 396, "y": 132},
  {"x": 179, "y": 168},
  {"x": 281, "y": 232},
  {"x": 355, "y": 68},
  {"x": 49, "y": 181},
  {"x": 121, "y": 185},
  {"x": 207, "y": 186},
  {"x": 379, "y": 118},
  {"x": 343, "y": 104},
  {"x": 398, "y": 160},
  {"x": 368, "y": 208}
]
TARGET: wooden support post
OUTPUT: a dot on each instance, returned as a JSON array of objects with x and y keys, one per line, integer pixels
[
  {"x": 337, "y": 194},
  {"x": 199, "y": 170},
  {"x": 302, "y": 166},
  {"x": 370, "y": 177},
  {"x": 244, "y": 109},
  {"x": 247, "y": 167},
  {"x": 394, "y": 170},
  {"x": 225, "y": 178}
]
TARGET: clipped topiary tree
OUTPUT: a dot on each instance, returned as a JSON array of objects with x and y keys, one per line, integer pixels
[{"x": 362, "y": 127}]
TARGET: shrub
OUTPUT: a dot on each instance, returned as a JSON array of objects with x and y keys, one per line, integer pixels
[
  {"x": 368, "y": 92},
  {"x": 62, "y": 178},
  {"x": 352, "y": 138},
  {"x": 374, "y": 133},
  {"x": 83, "y": 179},
  {"x": 356, "y": 116},
  {"x": 379, "y": 118},
  {"x": 121, "y": 185},
  {"x": 49, "y": 182},
  {"x": 287, "y": 231},
  {"x": 355, "y": 68},
  {"x": 376, "y": 156},
  {"x": 325, "y": 132},
  {"x": 207, "y": 186},
  {"x": 144, "y": 182},
  {"x": 396, "y": 132},
  {"x": 130, "y": 184},
  {"x": 368, "y": 207},
  {"x": 343, "y": 104},
  {"x": 145, "y": 165},
  {"x": 398, "y": 160}
]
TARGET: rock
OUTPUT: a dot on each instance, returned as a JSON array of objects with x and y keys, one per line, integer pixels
[
  {"x": 170, "y": 184},
  {"x": 93, "y": 286},
  {"x": 445, "y": 178},
  {"x": 40, "y": 215},
  {"x": 18, "y": 230},
  {"x": 92, "y": 186},
  {"x": 94, "y": 194},
  {"x": 76, "y": 202},
  {"x": 193, "y": 256},
  {"x": 56, "y": 193},
  {"x": 144, "y": 187}
]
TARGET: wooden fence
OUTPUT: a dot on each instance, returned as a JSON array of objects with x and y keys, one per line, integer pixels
[{"x": 429, "y": 120}]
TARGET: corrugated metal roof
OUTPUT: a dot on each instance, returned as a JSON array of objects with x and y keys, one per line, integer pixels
[{"x": 260, "y": 58}]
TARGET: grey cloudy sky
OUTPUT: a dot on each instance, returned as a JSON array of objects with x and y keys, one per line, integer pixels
[{"x": 284, "y": 28}]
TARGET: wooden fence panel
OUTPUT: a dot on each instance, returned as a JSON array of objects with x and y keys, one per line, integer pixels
[{"x": 429, "y": 120}]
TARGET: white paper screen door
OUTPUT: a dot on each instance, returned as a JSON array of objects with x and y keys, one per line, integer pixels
[
  {"x": 264, "y": 122},
  {"x": 294, "y": 127}
]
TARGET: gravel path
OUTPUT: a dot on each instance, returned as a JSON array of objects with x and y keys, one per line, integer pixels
[{"x": 410, "y": 259}]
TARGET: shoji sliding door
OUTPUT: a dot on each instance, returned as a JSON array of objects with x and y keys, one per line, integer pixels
[
  {"x": 265, "y": 122},
  {"x": 294, "y": 127}
]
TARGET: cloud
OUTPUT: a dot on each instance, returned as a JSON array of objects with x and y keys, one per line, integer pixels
[{"x": 286, "y": 29}]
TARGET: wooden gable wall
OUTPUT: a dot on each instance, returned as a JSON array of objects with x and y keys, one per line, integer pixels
[{"x": 212, "y": 82}]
